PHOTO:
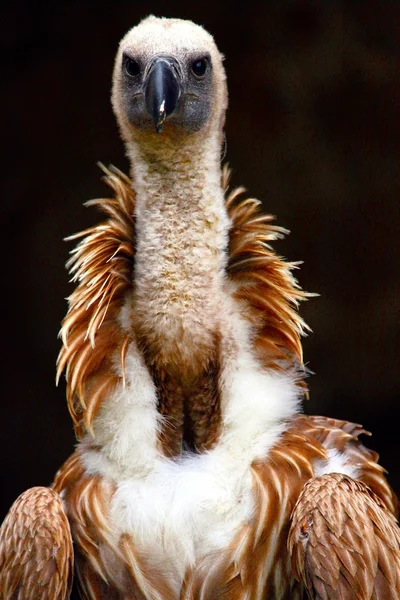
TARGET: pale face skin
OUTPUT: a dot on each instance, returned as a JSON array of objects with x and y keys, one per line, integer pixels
[{"x": 168, "y": 78}]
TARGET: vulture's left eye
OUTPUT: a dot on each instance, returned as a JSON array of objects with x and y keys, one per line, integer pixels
[
  {"x": 199, "y": 68},
  {"x": 132, "y": 68}
]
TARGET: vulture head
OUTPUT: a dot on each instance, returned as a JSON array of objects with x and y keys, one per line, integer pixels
[{"x": 169, "y": 83}]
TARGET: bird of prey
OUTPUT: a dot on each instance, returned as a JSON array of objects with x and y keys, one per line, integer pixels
[{"x": 196, "y": 475}]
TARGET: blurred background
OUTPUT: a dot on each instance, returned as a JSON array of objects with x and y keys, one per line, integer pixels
[{"x": 313, "y": 130}]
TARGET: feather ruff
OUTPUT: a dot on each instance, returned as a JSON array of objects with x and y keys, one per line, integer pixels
[{"x": 102, "y": 267}]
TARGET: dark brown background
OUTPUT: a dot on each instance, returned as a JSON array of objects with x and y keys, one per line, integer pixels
[{"x": 312, "y": 130}]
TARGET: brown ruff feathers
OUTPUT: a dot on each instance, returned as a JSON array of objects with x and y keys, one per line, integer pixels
[{"x": 102, "y": 266}]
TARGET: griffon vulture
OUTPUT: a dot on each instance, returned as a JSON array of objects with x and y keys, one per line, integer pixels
[{"x": 196, "y": 475}]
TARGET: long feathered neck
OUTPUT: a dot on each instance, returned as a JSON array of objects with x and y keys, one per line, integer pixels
[{"x": 181, "y": 237}]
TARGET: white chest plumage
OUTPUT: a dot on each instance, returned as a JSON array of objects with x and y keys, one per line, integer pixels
[{"x": 180, "y": 510}]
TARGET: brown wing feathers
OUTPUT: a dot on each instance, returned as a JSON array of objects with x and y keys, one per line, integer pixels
[
  {"x": 36, "y": 554},
  {"x": 344, "y": 543},
  {"x": 102, "y": 267}
]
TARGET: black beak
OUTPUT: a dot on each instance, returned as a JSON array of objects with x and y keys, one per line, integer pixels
[{"x": 162, "y": 90}]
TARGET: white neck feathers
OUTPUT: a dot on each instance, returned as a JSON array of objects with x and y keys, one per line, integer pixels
[{"x": 181, "y": 240}]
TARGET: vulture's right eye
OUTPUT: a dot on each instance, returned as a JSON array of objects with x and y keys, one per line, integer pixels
[{"x": 131, "y": 67}]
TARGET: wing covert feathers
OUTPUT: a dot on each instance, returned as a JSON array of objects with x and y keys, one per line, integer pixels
[
  {"x": 102, "y": 267},
  {"x": 36, "y": 554},
  {"x": 343, "y": 541}
]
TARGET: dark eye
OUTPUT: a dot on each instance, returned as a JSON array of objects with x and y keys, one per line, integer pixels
[
  {"x": 131, "y": 67},
  {"x": 199, "y": 67}
]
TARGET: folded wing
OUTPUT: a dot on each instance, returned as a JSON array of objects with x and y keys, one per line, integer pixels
[
  {"x": 36, "y": 554},
  {"x": 344, "y": 543}
]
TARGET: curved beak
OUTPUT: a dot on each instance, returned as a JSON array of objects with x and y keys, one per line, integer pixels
[{"x": 162, "y": 90}]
